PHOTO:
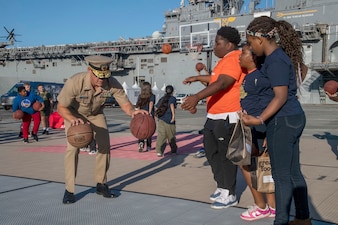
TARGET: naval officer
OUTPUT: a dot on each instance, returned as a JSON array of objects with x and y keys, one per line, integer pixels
[{"x": 81, "y": 100}]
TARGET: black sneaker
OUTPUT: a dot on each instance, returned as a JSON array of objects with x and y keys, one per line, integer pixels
[
  {"x": 103, "y": 189},
  {"x": 35, "y": 137},
  {"x": 44, "y": 131},
  {"x": 68, "y": 198},
  {"x": 47, "y": 132},
  {"x": 25, "y": 140}
]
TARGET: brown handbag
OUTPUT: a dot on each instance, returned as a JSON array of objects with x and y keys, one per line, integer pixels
[{"x": 240, "y": 144}]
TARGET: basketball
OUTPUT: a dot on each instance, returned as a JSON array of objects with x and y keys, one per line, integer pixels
[
  {"x": 142, "y": 126},
  {"x": 18, "y": 114},
  {"x": 199, "y": 66},
  {"x": 80, "y": 135},
  {"x": 37, "y": 105},
  {"x": 331, "y": 87},
  {"x": 166, "y": 48}
]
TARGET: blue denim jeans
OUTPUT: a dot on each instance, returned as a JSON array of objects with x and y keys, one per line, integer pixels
[{"x": 283, "y": 134}]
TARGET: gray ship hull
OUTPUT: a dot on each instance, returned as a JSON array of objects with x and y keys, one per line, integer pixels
[{"x": 190, "y": 30}]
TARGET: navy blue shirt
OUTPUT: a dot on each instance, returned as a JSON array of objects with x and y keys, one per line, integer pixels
[
  {"x": 255, "y": 85},
  {"x": 167, "y": 115},
  {"x": 146, "y": 107},
  {"x": 278, "y": 68},
  {"x": 26, "y": 103}
]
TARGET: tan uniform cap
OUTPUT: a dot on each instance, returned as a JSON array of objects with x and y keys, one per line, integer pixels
[{"x": 99, "y": 64}]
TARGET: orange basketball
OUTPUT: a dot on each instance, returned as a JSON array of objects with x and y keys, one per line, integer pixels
[
  {"x": 80, "y": 135},
  {"x": 199, "y": 66},
  {"x": 18, "y": 114},
  {"x": 142, "y": 126},
  {"x": 37, "y": 105},
  {"x": 331, "y": 87},
  {"x": 166, "y": 48}
]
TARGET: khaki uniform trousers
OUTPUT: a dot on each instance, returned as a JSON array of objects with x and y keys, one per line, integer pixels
[{"x": 101, "y": 134}]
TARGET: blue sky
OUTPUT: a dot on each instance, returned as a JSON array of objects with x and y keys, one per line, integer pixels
[{"x": 41, "y": 22}]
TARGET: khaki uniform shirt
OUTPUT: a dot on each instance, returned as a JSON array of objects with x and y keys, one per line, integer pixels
[{"x": 79, "y": 96}]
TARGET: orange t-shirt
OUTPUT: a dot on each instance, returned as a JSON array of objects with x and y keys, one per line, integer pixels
[{"x": 227, "y": 100}]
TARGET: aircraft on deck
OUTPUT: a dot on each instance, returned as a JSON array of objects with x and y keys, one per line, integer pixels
[{"x": 10, "y": 38}]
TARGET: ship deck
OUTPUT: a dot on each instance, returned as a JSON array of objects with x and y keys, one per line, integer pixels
[{"x": 151, "y": 190}]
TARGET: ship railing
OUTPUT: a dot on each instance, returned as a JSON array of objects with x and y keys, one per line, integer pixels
[{"x": 132, "y": 46}]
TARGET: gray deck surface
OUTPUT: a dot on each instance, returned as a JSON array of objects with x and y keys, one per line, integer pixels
[{"x": 170, "y": 190}]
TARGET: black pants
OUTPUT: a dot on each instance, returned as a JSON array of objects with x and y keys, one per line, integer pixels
[
  {"x": 217, "y": 134},
  {"x": 148, "y": 140}
]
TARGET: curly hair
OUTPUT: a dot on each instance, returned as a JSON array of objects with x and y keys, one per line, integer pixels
[
  {"x": 145, "y": 95},
  {"x": 230, "y": 33},
  {"x": 284, "y": 34}
]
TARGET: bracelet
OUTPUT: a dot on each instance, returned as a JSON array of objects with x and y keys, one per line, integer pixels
[{"x": 260, "y": 118}]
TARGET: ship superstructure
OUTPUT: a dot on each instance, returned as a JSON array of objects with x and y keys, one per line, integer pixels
[{"x": 190, "y": 30}]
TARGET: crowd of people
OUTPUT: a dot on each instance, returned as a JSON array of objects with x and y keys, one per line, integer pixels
[{"x": 256, "y": 83}]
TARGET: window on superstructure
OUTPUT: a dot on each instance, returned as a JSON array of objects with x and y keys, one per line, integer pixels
[
  {"x": 143, "y": 66},
  {"x": 151, "y": 71},
  {"x": 54, "y": 64},
  {"x": 163, "y": 60},
  {"x": 150, "y": 60},
  {"x": 139, "y": 79},
  {"x": 143, "y": 60}
]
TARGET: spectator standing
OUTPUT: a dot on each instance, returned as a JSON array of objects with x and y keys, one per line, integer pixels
[
  {"x": 28, "y": 89},
  {"x": 223, "y": 103},
  {"x": 146, "y": 101},
  {"x": 264, "y": 204},
  {"x": 47, "y": 110},
  {"x": 166, "y": 126},
  {"x": 284, "y": 117},
  {"x": 24, "y": 101}
]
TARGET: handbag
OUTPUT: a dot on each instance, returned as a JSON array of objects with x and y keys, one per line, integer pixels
[
  {"x": 239, "y": 148},
  {"x": 261, "y": 176}
]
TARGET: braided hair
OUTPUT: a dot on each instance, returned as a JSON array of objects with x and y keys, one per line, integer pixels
[
  {"x": 145, "y": 95},
  {"x": 284, "y": 34}
]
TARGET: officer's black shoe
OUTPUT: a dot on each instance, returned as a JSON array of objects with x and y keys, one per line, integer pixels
[
  {"x": 103, "y": 189},
  {"x": 68, "y": 198}
]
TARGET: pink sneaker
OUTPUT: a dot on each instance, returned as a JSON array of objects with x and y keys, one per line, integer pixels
[
  {"x": 272, "y": 212},
  {"x": 255, "y": 213}
]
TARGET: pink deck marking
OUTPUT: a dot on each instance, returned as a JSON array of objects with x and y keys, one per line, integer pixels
[{"x": 127, "y": 147}]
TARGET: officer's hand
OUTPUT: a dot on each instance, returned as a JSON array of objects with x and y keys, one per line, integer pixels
[
  {"x": 135, "y": 112},
  {"x": 76, "y": 121}
]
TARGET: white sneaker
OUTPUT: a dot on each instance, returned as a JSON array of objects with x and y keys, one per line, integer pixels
[
  {"x": 215, "y": 194},
  {"x": 255, "y": 213},
  {"x": 224, "y": 200},
  {"x": 92, "y": 152},
  {"x": 84, "y": 149}
]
